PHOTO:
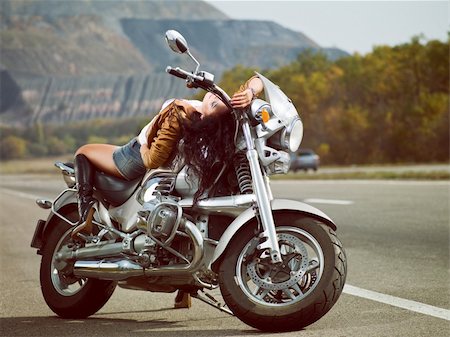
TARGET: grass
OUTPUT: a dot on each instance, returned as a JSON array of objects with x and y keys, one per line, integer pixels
[
  {"x": 33, "y": 166},
  {"x": 45, "y": 166},
  {"x": 380, "y": 175}
]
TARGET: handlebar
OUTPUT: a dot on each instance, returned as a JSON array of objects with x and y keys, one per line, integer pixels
[
  {"x": 176, "y": 72},
  {"x": 206, "y": 82},
  {"x": 201, "y": 80}
]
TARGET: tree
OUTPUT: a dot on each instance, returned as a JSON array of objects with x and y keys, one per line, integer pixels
[
  {"x": 13, "y": 147},
  {"x": 390, "y": 105},
  {"x": 56, "y": 146}
]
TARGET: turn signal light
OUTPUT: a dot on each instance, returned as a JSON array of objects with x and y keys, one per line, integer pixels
[{"x": 265, "y": 116}]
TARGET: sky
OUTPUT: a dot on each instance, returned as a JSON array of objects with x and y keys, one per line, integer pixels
[{"x": 354, "y": 26}]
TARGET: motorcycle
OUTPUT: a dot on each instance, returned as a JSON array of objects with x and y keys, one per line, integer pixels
[{"x": 278, "y": 263}]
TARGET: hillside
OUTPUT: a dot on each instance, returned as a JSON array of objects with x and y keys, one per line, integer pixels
[
  {"x": 110, "y": 11},
  {"x": 76, "y": 60},
  {"x": 219, "y": 45},
  {"x": 70, "y": 46},
  {"x": 44, "y": 37}
]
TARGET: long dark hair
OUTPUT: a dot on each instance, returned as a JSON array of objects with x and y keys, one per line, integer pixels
[{"x": 207, "y": 144}]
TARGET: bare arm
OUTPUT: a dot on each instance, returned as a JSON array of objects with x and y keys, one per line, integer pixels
[{"x": 251, "y": 89}]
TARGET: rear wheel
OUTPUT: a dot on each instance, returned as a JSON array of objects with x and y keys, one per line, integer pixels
[
  {"x": 293, "y": 294},
  {"x": 69, "y": 296}
]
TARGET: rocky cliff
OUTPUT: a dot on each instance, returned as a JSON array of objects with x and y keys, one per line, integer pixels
[
  {"x": 78, "y": 60},
  {"x": 219, "y": 45}
]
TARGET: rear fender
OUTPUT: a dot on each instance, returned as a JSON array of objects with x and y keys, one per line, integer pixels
[
  {"x": 68, "y": 196},
  {"x": 67, "y": 199},
  {"x": 249, "y": 214}
]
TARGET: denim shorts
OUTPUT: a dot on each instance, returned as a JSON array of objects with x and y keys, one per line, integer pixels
[{"x": 129, "y": 161}]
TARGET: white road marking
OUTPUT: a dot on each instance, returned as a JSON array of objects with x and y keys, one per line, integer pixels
[
  {"x": 398, "y": 302},
  {"x": 328, "y": 201},
  {"x": 21, "y": 194}
]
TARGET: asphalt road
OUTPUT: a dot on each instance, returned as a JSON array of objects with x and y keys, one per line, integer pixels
[{"x": 396, "y": 236}]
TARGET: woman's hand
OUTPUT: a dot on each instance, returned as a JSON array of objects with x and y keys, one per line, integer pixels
[{"x": 242, "y": 99}]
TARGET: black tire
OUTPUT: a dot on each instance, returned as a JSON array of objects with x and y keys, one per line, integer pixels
[
  {"x": 318, "y": 300},
  {"x": 91, "y": 295}
]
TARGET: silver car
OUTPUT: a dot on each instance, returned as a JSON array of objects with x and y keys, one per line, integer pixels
[{"x": 304, "y": 159}]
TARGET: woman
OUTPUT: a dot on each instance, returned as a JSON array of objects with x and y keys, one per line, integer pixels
[{"x": 207, "y": 131}]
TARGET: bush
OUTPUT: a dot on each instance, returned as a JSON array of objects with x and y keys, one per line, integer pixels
[
  {"x": 56, "y": 146},
  {"x": 13, "y": 147},
  {"x": 37, "y": 150},
  {"x": 97, "y": 140}
]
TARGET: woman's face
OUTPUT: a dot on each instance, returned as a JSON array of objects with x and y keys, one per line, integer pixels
[{"x": 212, "y": 106}]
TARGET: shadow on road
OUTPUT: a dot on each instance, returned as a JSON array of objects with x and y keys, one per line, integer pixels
[{"x": 57, "y": 327}]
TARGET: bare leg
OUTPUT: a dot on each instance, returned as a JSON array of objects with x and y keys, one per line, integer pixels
[{"x": 101, "y": 156}]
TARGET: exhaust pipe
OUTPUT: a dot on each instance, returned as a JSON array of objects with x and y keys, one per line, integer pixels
[
  {"x": 107, "y": 270},
  {"x": 118, "y": 270}
]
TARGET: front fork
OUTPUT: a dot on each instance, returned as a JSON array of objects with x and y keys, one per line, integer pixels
[{"x": 263, "y": 197}]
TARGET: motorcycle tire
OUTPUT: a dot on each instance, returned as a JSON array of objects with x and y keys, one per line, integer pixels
[
  {"x": 271, "y": 311},
  {"x": 88, "y": 296}
]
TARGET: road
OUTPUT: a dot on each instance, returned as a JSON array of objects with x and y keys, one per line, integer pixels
[{"x": 396, "y": 236}]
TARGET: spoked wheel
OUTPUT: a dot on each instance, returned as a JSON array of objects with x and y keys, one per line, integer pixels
[
  {"x": 69, "y": 296},
  {"x": 61, "y": 272},
  {"x": 288, "y": 282},
  {"x": 289, "y": 295}
]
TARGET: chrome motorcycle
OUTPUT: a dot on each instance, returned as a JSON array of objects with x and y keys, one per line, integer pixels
[{"x": 278, "y": 263}]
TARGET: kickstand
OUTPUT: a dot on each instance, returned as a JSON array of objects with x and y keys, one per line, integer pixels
[{"x": 208, "y": 299}]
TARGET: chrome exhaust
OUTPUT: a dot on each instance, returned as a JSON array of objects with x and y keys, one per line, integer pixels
[
  {"x": 106, "y": 249},
  {"x": 107, "y": 270},
  {"x": 117, "y": 270}
]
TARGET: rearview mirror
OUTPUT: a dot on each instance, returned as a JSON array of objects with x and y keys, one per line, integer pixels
[{"x": 176, "y": 42}]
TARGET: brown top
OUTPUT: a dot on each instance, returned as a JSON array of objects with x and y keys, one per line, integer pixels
[{"x": 164, "y": 133}]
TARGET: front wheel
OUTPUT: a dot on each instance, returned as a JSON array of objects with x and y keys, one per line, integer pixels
[
  {"x": 294, "y": 293},
  {"x": 67, "y": 295}
]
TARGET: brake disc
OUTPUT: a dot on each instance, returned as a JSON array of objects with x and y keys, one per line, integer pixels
[{"x": 255, "y": 267}]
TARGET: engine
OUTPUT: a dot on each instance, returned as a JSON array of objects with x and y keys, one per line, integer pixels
[{"x": 161, "y": 218}]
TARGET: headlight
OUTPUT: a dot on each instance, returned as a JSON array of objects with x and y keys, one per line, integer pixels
[
  {"x": 292, "y": 136},
  {"x": 289, "y": 138}
]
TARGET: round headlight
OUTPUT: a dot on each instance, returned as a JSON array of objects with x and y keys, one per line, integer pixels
[{"x": 292, "y": 135}]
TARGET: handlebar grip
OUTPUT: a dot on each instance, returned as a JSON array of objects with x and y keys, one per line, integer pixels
[{"x": 175, "y": 72}]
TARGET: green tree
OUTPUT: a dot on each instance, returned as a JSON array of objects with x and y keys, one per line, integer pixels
[
  {"x": 97, "y": 140},
  {"x": 37, "y": 150},
  {"x": 56, "y": 146},
  {"x": 37, "y": 133},
  {"x": 13, "y": 147},
  {"x": 231, "y": 80}
]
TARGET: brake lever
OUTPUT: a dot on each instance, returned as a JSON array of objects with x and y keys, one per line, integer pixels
[{"x": 191, "y": 84}]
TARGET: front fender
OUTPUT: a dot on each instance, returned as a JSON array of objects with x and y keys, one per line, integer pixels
[{"x": 248, "y": 214}]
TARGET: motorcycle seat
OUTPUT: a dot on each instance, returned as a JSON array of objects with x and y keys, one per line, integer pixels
[{"x": 112, "y": 190}]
